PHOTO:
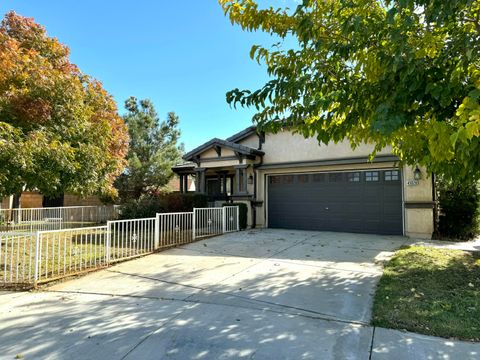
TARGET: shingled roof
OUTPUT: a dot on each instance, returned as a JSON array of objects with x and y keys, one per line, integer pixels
[{"x": 241, "y": 149}]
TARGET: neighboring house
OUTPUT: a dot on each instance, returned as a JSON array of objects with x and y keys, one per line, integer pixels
[
  {"x": 34, "y": 199},
  {"x": 291, "y": 182}
]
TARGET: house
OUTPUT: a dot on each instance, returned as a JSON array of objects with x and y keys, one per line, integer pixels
[
  {"x": 291, "y": 182},
  {"x": 35, "y": 199}
]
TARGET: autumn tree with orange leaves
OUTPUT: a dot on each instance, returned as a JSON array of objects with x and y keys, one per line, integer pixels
[{"x": 59, "y": 129}]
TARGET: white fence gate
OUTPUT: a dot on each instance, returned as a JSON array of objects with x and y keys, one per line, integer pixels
[{"x": 29, "y": 258}]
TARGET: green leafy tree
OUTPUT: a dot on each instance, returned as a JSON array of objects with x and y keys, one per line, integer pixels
[
  {"x": 402, "y": 73},
  {"x": 59, "y": 129},
  {"x": 153, "y": 150}
]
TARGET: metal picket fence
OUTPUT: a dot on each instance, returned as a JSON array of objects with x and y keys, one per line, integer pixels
[
  {"x": 54, "y": 218},
  {"x": 130, "y": 238},
  {"x": 29, "y": 258},
  {"x": 175, "y": 229},
  {"x": 17, "y": 258},
  {"x": 69, "y": 251}
]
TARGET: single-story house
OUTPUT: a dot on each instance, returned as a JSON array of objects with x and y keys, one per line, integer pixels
[{"x": 291, "y": 182}]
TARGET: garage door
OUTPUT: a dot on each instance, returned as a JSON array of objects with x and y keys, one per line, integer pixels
[{"x": 356, "y": 201}]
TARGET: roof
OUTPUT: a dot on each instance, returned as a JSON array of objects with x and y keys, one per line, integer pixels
[
  {"x": 242, "y": 149},
  {"x": 243, "y": 134},
  {"x": 184, "y": 166}
]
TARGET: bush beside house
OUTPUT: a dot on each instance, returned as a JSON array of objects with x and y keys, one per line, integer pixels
[
  {"x": 149, "y": 205},
  {"x": 459, "y": 210}
]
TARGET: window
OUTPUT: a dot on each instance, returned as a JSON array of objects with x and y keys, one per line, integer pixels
[
  {"x": 319, "y": 177},
  {"x": 288, "y": 179},
  {"x": 353, "y": 177},
  {"x": 275, "y": 179},
  {"x": 371, "y": 176},
  {"x": 335, "y": 177},
  {"x": 392, "y": 175},
  {"x": 303, "y": 179}
]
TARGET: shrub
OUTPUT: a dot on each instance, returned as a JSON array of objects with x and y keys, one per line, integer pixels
[
  {"x": 178, "y": 202},
  {"x": 459, "y": 210},
  {"x": 150, "y": 205},
  {"x": 145, "y": 207},
  {"x": 242, "y": 214}
]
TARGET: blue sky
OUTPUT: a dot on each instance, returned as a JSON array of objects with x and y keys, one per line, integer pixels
[{"x": 183, "y": 55}]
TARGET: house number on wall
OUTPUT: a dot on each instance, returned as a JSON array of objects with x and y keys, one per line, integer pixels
[{"x": 412, "y": 182}]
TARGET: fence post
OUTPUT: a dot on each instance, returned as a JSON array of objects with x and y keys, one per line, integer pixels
[
  {"x": 37, "y": 258},
  {"x": 224, "y": 220},
  {"x": 157, "y": 232},
  {"x": 238, "y": 218},
  {"x": 194, "y": 223},
  {"x": 108, "y": 244}
]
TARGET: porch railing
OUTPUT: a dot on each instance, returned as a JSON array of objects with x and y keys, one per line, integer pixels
[{"x": 29, "y": 258}]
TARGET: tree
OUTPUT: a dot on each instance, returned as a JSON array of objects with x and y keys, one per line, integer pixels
[
  {"x": 153, "y": 149},
  {"x": 59, "y": 129},
  {"x": 402, "y": 73}
]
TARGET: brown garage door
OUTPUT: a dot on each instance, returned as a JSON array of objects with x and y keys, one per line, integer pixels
[{"x": 355, "y": 201}]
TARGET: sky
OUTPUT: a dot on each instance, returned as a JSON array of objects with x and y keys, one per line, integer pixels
[{"x": 182, "y": 55}]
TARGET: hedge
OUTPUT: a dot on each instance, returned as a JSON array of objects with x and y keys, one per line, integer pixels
[{"x": 150, "y": 205}]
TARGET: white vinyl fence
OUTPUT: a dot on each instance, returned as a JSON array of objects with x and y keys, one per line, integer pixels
[
  {"x": 29, "y": 258},
  {"x": 55, "y": 218}
]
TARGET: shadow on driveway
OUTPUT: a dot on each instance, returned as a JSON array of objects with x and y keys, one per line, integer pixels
[{"x": 269, "y": 294}]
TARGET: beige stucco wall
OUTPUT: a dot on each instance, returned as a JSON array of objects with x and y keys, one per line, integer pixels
[
  {"x": 251, "y": 141},
  {"x": 212, "y": 153},
  {"x": 418, "y": 222},
  {"x": 286, "y": 147}
]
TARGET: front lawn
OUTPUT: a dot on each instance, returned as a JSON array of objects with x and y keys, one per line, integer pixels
[{"x": 430, "y": 291}]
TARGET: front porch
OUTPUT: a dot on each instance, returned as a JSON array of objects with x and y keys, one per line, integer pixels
[
  {"x": 220, "y": 184},
  {"x": 224, "y": 171}
]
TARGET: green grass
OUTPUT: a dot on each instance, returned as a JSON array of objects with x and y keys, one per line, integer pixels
[{"x": 430, "y": 291}]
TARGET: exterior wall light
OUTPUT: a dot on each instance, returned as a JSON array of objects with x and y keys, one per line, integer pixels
[
  {"x": 250, "y": 180},
  {"x": 417, "y": 174}
]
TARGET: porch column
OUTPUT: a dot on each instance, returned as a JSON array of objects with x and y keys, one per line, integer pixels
[
  {"x": 185, "y": 185},
  {"x": 241, "y": 179},
  {"x": 224, "y": 179},
  {"x": 200, "y": 180},
  {"x": 181, "y": 184}
]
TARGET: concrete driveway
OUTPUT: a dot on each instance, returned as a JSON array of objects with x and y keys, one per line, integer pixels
[{"x": 263, "y": 294}]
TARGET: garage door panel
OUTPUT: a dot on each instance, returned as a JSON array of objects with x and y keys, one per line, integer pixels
[{"x": 336, "y": 202}]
